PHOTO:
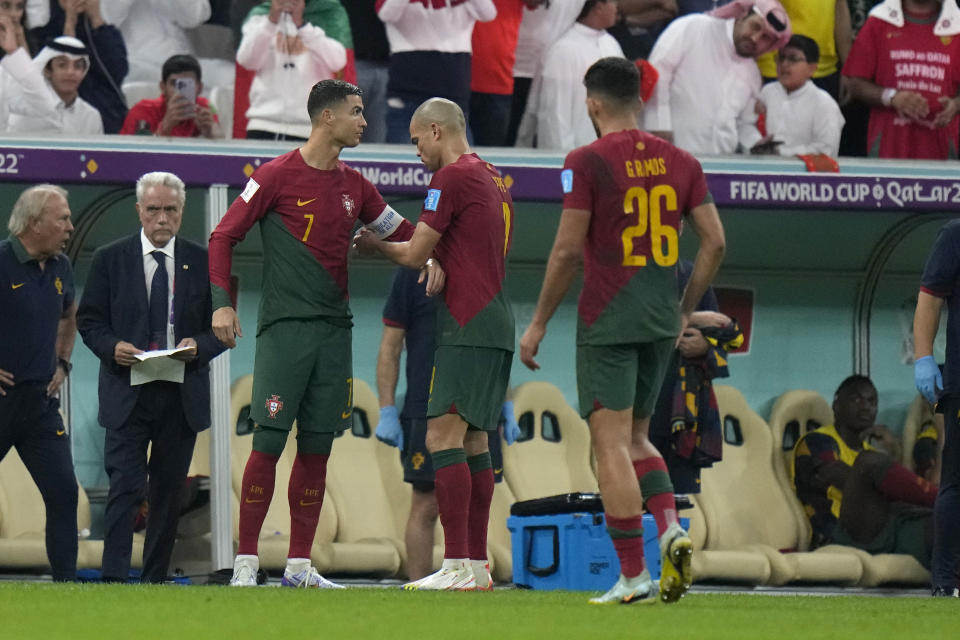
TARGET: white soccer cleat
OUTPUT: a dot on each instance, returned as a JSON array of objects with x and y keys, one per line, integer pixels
[
  {"x": 676, "y": 574},
  {"x": 639, "y": 589},
  {"x": 245, "y": 571},
  {"x": 481, "y": 575},
  {"x": 454, "y": 575},
  {"x": 308, "y": 578}
]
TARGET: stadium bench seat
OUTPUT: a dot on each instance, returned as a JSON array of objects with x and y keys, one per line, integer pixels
[
  {"x": 746, "y": 509},
  {"x": 795, "y": 413},
  {"x": 23, "y": 523},
  {"x": 552, "y": 455}
]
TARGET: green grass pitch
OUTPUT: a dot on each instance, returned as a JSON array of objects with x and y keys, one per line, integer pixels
[{"x": 48, "y": 611}]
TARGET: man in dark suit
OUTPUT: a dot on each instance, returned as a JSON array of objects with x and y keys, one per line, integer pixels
[{"x": 149, "y": 291}]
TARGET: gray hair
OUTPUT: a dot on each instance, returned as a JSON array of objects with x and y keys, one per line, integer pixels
[
  {"x": 29, "y": 206},
  {"x": 161, "y": 179}
]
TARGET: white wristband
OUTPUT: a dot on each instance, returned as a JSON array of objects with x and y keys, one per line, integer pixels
[{"x": 886, "y": 98}]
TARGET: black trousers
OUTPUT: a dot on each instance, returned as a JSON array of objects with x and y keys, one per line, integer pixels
[
  {"x": 157, "y": 420},
  {"x": 946, "y": 512},
  {"x": 30, "y": 421}
]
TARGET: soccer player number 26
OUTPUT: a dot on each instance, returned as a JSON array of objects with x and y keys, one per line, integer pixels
[{"x": 664, "y": 243}]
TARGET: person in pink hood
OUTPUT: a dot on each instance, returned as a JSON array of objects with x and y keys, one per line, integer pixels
[{"x": 709, "y": 82}]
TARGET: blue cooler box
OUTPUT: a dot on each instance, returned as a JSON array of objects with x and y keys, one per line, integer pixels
[{"x": 573, "y": 551}]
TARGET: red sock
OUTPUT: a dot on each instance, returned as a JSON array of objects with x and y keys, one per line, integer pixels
[
  {"x": 903, "y": 485},
  {"x": 259, "y": 476},
  {"x": 627, "y": 536},
  {"x": 305, "y": 494},
  {"x": 657, "y": 491},
  {"x": 453, "y": 501},
  {"x": 481, "y": 493}
]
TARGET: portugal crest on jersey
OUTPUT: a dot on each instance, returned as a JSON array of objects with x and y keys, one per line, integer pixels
[
  {"x": 274, "y": 404},
  {"x": 347, "y": 204}
]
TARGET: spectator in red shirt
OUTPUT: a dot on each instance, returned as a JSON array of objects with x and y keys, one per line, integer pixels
[
  {"x": 491, "y": 83},
  {"x": 905, "y": 65},
  {"x": 180, "y": 111}
]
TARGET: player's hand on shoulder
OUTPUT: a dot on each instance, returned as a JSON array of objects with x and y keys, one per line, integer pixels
[{"x": 389, "y": 430}]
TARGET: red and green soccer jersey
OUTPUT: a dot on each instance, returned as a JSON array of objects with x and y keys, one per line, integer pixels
[
  {"x": 468, "y": 204},
  {"x": 637, "y": 187},
  {"x": 908, "y": 58},
  {"x": 307, "y": 217}
]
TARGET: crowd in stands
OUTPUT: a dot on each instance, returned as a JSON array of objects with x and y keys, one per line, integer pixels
[{"x": 724, "y": 75}]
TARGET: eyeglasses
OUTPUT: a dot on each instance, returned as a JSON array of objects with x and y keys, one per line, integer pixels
[{"x": 792, "y": 59}]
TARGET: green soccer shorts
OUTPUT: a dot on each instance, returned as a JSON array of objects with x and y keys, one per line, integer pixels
[
  {"x": 471, "y": 382},
  {"x": 620, "y": 376},
  {"x": 303, "y": 371}
]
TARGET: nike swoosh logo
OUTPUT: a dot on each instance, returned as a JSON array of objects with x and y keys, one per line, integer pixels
[
  {"x": 60, "y": 432},
  {"x": 307, "y": 504},
  {"x": 16, "y": 286},
  {"x": 301, "y": 203},
  {"x": 249, "y": 501},
  {"x": 346, "y": 414}
]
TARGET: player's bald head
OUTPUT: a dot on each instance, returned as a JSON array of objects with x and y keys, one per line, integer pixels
[{"x": 443, "y": 112}]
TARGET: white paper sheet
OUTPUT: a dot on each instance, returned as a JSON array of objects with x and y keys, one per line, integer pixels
[{"x": 157, "y": 365}]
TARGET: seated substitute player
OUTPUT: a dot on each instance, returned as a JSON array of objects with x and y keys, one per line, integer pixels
[
  {"x": 624, "y": 196},
  {"x": 467, "y": 218},
  {"x": 307, "y": 203},
  {"x": 856, "y": 495}
]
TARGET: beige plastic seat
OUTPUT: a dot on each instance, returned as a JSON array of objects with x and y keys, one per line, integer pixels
[
  {"x": 745, "y": 508},
  {"x": 556, "y": 457},
  {"x": 794, "y": 414},
  {"x": 365, "y": 480},
  {"x": 811, "y": 410},
  {"x": 722, "y": 565},
  {"x": 919, "y": 415},
  {"x": 23, "y": 523}
]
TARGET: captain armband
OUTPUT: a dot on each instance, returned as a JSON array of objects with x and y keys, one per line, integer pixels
[{"x": 386, "y": 223}]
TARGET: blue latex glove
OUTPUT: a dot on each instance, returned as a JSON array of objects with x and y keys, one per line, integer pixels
[
  {"x": 926, "y": 375},
  {"x": 511, "y": 430},
  {"x": 389, "y": 430}
]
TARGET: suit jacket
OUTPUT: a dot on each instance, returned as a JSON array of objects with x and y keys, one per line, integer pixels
[{"x": 114, "y": 308}]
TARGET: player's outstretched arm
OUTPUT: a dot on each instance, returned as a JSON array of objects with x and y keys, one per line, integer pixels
[
  {"x": 565, "y": 258},
  {"x": 412, "y": 253},
  {"x": 706, "y": 224}
]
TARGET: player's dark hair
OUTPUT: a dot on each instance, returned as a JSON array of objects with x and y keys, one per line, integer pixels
[
  {"x": 614, "y": 79},
  {"x": 852, "y": 381},
  {"x": 329, "y": 93},
  {"x": 180, "y": 63}
]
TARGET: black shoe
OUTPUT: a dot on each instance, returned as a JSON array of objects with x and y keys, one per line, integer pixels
[{"x": 945, "y": 592}]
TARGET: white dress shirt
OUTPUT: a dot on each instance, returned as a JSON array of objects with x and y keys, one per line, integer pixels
[
  {"x": 150, "y": 267},
  {"x": 706, "y": 92},
  {"x": 556, "y": 112},
  {"x": 47, "y": 115},
  {"x": 807, "y": 120}
]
